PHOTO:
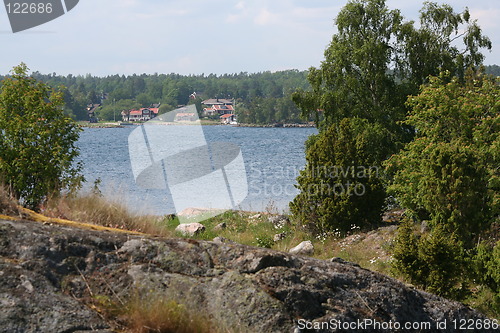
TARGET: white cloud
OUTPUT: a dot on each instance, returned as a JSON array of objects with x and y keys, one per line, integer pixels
[
  {"x": 264, "y": 17},
  {"x": 240, "y": 5},
  {"x": 194, "y": 36}
]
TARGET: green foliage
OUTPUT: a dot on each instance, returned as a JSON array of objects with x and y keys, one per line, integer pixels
[
  {"x": 449, "y": 173},
  {"x": 487, "y": 267},
  {"x": 377, "y": 59},
  {"x": 433, "y": 261},
  {"x": 488, "y": 271},
  {"x": 37, "y": 141},
  {"x": 405, "y": 251},
  {"x": 446, "y": 183},
  {"x": 371, "y": 65},
  {"x": 341, "y": 185},
  {"x": 111, "y": 110},
  {"x": 265, "y": 241},
  {"x": 442, "y": 263}
]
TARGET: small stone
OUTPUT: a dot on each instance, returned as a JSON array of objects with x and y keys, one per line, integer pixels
[
  {"x": 27, "y": 284},
  {"x": 305, "y": 248},
  {"x": 190, "y": 229},
  {"x": 256, "y": 216},
  {"x": 220, "y": 226}
]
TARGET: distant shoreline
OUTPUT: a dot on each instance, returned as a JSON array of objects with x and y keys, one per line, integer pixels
[
  {"x": 85, "y": 124},
  {"x": 293, "y": 125}
]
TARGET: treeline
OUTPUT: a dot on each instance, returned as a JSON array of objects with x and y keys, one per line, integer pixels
[{"x": 260, "y": 98}]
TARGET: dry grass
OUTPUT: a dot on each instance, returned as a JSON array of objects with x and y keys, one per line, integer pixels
[
  {"x": 164, "y": 316},
  {"x": 95, "y": 209},
  {"x": 8, "y": 205},
  {"x": 153, "y": 313}
]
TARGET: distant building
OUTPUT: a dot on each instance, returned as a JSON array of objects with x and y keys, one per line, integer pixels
[
  {"x": 218, "y": 106},
  {"x": 143, "y": 114},
  {"x": 217, "y": 101}
]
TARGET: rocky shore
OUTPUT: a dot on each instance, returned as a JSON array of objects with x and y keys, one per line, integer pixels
[{"x": 48, "y": 273}]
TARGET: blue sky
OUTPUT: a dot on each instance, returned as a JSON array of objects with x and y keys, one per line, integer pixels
[{"x": 105, "y": 37}]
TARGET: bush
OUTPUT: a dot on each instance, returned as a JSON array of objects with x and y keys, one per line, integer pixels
[
  {"x": 487, "y": 268},
  {"x": 37, "y": 141},
  {"x": 405, "y": 251},
  {"x": 265, "y": 241},
  {"x": 449, "y": 173},
  {"x": 487, "y": 272},
  {"x": 435, "y": 261},
  {"x": 341, "y": 185},
  {"x": 446, "y": 183}
]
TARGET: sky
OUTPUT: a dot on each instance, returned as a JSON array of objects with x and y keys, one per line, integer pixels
[{"x": 106, "y": 37}]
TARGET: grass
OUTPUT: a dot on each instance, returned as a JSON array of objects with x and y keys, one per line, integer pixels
[
  {"x": 93, "y": 208},
  {"x": 369, "y": 250},
  {"x": 8, "y": 205},
  {"x": 153, "y": 313}
]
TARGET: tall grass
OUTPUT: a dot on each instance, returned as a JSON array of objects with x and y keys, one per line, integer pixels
[
  {"x": 8, "y": 204},
  {"x": 148, "y": 312},
  {"x": 157, "y": 314},
  {"x": 96, "y": 209}
]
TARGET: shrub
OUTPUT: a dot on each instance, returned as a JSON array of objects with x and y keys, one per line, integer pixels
[
  {"x": 435, "y": 261},
  {"x": 487, "y": 268},
  {"x": 405, "y": 251},
  {"x": 341, "y": 185},
  {"x": 449, "y": 173},
  {"x": 37, "y": 141},
  {"x": 446, "y": 183}
]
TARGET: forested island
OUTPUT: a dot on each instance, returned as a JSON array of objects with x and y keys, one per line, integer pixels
[{"x": 260, "y": 98}]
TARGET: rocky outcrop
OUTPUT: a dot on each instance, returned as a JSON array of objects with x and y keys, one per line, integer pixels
[{"x": 47, "y": 271}]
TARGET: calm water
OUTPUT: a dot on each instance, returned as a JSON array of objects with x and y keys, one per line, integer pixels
[{"x": 272, "y": 156}]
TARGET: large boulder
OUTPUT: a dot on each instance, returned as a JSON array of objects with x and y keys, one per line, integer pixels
[{"x": 48, "y": 273}]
